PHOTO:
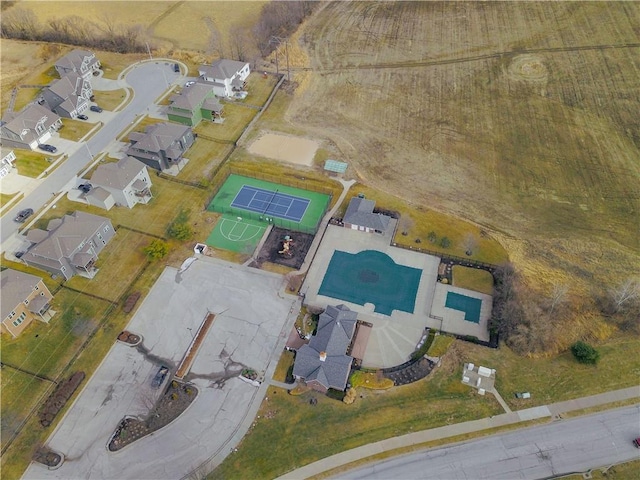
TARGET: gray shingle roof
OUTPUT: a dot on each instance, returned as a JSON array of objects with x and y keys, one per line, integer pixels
[
  {"x": 159, "y": 137},
  {"x": 191, "y": 97},
  {"x": 15, "y": 287},
  {"x": 222, "y": 68},
  {"x": 336, "y": 327},
  {"x": 360, "y": 212},
  {"x": 32, "y": 115},
  {"x": 117, "y": 174}
]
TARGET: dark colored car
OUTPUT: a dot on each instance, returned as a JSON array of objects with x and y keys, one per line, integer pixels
[
  {"x": 85, "y": 187},
  {"x": 176, "y": 68},
  {"x": 83, "y": 117},
  {"x": 160, "y": 376},
  {"x": 23, "y": 215},
  {"x": 636, "y": 442},
  {"x": 19, "y": 254},
  {"x": 47, "y": 148},
  {"x": 95, "y": 108}
]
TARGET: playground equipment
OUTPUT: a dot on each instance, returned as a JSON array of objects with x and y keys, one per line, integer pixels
[{"x": 286, "y": 246}]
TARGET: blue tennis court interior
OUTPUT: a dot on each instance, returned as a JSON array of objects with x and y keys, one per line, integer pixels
[{"x": 271, "y": 203}]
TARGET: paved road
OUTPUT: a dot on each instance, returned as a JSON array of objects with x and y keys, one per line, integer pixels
[
  {"x": 148, "y": 80},
  {"x": 559, "y": 448}
]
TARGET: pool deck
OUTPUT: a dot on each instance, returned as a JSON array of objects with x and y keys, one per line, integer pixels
[{"x": 394, "y": 338}]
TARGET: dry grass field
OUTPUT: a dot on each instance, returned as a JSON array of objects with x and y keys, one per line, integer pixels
[{"x": 520, "y": 116}]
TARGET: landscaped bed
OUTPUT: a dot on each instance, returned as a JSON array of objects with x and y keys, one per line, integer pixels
[{"x": 175, "y": 400}]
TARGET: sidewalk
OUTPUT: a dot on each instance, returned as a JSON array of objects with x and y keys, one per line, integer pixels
[{"x": 554, "y": 411}]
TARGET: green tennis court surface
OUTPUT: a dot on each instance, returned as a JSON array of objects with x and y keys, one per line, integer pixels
[
  {"x": 371, "y": 277},
  {"x": 270, "y": 203},
  {"x": 469, "y": 305},
  {"x": 236, "y": 235}
]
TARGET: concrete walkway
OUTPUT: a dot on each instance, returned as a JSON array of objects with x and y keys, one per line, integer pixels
[{"x": 554, "y": 411}]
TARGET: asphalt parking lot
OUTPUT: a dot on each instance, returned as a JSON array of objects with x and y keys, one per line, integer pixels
[{"x": 251, "y": 314}]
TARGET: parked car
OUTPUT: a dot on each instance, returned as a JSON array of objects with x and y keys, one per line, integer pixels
[
  {"x": 95, "y": 108},
  {"x": 636, "y": 442},
  {"x": 176, "y": 68},
  {"x": 85, "y": 187},
  {"x": 83, "y": 117},
  {"x": 19, "y": 254},
  {"x": 47, "y": 148},
  {"x": 189, "y": 83},
  {"x": 160, "y": 376},
  {"x": 23, "y": 215}
]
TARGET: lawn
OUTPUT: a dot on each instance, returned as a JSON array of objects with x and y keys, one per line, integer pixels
[
  {"x": 74, "y": 130},
  {"x": 284, "y": 364},
  {"x": 46, "y": 348},
  {"x": 204, "y": 156},
  {"x": 624, "y": 471},
  {"x": 259, "y": 88},
  {"x": 109, "y": 99},
  {"x": 305, "y": 433},
  {"x": 273, "y": 118},
  {"x": 20, "y": 394},
  {"x": 6, "y": 198},
  {"x": 440, "y": 345},
  {"x": 31, "y": 163},
  {"x": 236, "y": 119},
  {"x": 473, "y": 279}
]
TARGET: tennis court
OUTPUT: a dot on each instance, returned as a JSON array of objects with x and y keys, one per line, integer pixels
[
  {"x": 371, "y": 277},
  {"x": 236, "y": 234},
  {"x": 469, "y": 305},
  {"x": 271, "y": 203}
]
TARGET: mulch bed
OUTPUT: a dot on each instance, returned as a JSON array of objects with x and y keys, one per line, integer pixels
[
  {"x": 130, "y": 302},
  {"x": 274, "y": 244},
  {"x": 410, "y": 372},
  {"x": 128, "y": 337},
  {"x": 47, "y": 457},
  {"x": 175, "y": 400},
  {"x": 59, "y": 398}
]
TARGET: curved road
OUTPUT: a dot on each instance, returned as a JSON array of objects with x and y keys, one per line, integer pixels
[
  {"x": 558, "y": 448},
  {"x": 148, "y": 80}
]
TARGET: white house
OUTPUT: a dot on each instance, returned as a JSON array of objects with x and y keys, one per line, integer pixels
[
  {"x": 6, "y": 164},
  {"x": 127, "y": 181},
  {"x": 226, "y": 76}
]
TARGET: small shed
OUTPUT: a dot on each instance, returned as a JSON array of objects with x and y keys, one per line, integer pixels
[{"x": 335, "y": 166}]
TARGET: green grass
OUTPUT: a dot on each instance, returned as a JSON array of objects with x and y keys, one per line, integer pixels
[
  {"x": 5, "y": 198},
  {"x": 284, "y": 363},
  {"x": 74, "y": 130},
  {"x": 473, "y": 279},
  {"x": 440, "y": 345},
  {"x": 307, "y": 433},
  {"x": 20, "y": 395},
  {"x": 109, "y": 99},
  {"x": 32, "y": 163},
  {"x": 46, "y": 348},
  {"x": 226, "y": 230}
]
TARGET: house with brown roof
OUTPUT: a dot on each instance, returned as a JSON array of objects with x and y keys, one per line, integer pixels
[
  {"x": 127, "y": 181},
  {"x": 69, "y": 96},
  {"x": 360, "y": 216},
  {"x": 23, "y": 298},
  {"x": 194, "y": 104},
  {"x": 81, "y": 62},
  {"x": 225, "y": 76},
  {"x": 26, "y": 129},
  {"x": 161, "y": 146},
  {"x": 70, "y": 245},
  {"x": 324, "y": 363}
]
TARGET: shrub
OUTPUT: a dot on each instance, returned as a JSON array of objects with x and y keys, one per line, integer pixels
[
  {"x": 157, "y": 249},
  {"x": 180, "y": 231},
  {"x": 432, "y": 237},
  {"x": 445, "y": 242},
  {"x": 585, "y": 353}
]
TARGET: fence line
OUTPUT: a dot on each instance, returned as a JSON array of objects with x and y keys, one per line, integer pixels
[{"x": 466, "y": 262}]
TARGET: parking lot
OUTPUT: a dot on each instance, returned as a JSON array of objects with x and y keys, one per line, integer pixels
[{"x": 251, "y": 314}]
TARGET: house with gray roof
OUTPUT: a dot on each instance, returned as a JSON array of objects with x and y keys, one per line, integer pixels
[
  {"x": 126, "y": 180},
  {"x": 23, "y": 298},
  {"x": 7, "y": 157},
  {"x": 26, "y": 129},
  {"x": 161, "y": 146},
  {"x": 70, "y": 245},
  {"x": 194, "y": 104},
  {"x": 323, "y": 363},
  {"x": 360, "y": 216},
  {"x": 226, "y": 76},
  {"x": 68, "y": 97},
  {"x": 81, "y": 62}
]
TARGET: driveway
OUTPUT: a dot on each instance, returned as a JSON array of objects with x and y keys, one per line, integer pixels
[{"x": 252, "y": 315}]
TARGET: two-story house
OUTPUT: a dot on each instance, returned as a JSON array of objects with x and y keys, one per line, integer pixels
[
  {"x": 69, "y": 96},
  {"x": 225, "y": 76},
  {"x": 29, "y": 127},
  {"x": 6, "y": 161},
  {"x": 23, "y": 298},
  {"x": 127, "y": 182},
  {"x": 161, "y": 146},
  {"x": 70, "y": 245},
  {"x": 194, "y": 104},
  {"x": 81, "y": 62}
]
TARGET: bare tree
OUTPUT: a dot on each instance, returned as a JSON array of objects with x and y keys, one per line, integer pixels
[
  {"x": 557, "y": 297},
  {"x": 20, "y": 23},
  {"x": 215, "y": 43},
  {"x": 238, "y": 43},
  {"x": 624, "y": 293}
]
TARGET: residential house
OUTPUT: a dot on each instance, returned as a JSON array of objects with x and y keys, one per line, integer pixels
[
  {"x": 26, "y": 129},
  {"x": 127, "y": 181},
  {"x": 360, "y": 216},
  {"x": 161, "y": 146},
  {"x": 69, "y": 96},
  {"x": 23, "y": 298},
  {"x": 226, "y": 76},
  {"x": 70, "y": 245},
  {"x": 81, "y": 62},
  {"x": 193, "y": 104},
  {"x": 324, "y": 363},
  {"x": 7, "y": 157}
]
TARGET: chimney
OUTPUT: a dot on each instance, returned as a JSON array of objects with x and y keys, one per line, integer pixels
[{"x": 323, "y": 356}]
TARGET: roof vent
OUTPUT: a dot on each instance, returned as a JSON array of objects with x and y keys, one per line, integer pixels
[{"x": 323, "y": 356}]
